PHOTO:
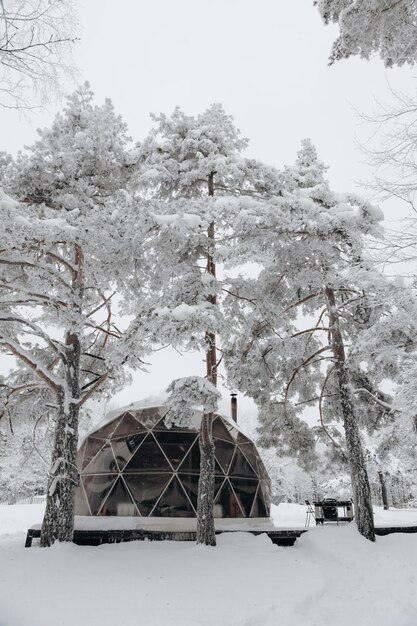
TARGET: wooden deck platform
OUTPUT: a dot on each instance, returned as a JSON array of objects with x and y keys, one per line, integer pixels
[
  {"x": 389, "y": 530},
  {"x": 98, "y": 537},
  {"x": 278, "y": 537}
]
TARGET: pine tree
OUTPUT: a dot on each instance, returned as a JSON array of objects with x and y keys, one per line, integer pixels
[
  {"x": 311, "y": 322},
  {"x": 386, "y": 27},
  {"x": 63, "y": 252},
  {"x": 193, "y": 167}
]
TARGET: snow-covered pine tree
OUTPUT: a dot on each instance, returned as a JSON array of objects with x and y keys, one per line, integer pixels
[
  {"x": 317, "y": 319},
  {"x": 386, "y": 27},
  {"x": 64, "y": 250},
  {"x": 188, "y": 163}
]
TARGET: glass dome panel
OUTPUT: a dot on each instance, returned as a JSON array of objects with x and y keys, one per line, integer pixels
[
  {"x": 245, "y": 490},
  {"x": 148, "y": 457},
  {"x": 226, "y": 503},
  {"x": 175, "y": 445},
  {"x": 128, "y": 426},
  {"x": 173, "y": 502},
  {"x": 92, "y": 447},
  {"x": 241, "y": 467},
  {"x": 146, "y": 489},
  {"x": 97, "y": 487},
  {"x": 191, "y": 463}
]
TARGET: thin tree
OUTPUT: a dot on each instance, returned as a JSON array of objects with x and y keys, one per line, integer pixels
[
  {"x": 317, "y": 312},
  {"x": 195, "y": 164},
  {"x": 36, "y": 39}
]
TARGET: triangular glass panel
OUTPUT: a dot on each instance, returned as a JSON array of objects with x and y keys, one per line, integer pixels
[
  {"x": 262, "y": 470},
  {"x": 245, "y": 491},
  {"x": 241, "y": 438},
  {"x": 175, "y": 445},
  {"x": 234, "y": 432},
  {"x": 191, "y": 463},
  {"x": 148, "y": 457},
  {"x": 220, "y": 431},
  {"x": 251, "y": 455},
  {"x": 128, "y": 425},
  {"x": 173, "y": 502},
  {"x": 224, "y": 453},
  {"x": 151, "y": 416},
  {"x": 92, "y": 447},
  {"x": 119, "y": 501},
  {"x": 80, "y": 501},
  {"x": 103, "y": 463},
  {"x": 240, "y": 466},
  {"x": 259, "y": 508},
  {"x": 80, "y": 455},
  {"x": 123, "y": 449},
  {"x": 226, "y": 503},
  {"x": 97, "y": 488},
  {"x": 265, "y": 490},
  {"x": 146, "y": 489},
  {"x": 190, "y": 485},
  {"x": 106, "y": 431}
]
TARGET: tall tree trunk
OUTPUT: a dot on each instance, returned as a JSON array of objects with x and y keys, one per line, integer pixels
[
  {"x": 383, "y": 491},
  {"x": 205, "y": 504},
  {"x": 360, "y": 482},
  {"x": 58, "y": 522}
]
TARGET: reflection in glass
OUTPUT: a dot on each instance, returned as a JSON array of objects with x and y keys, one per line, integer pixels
[
  {"x": 224, "y": 453},
  {"x": 149, "y": 456},
  {"x": 97, "y": 488},
  {"x": 106, "y": 431},
  {"x": 174, "y": 502},
  {"x": 220, "y": 431},
  {"x": 80, "y": 501},
  {"x": 191, "y": 463},
  {"x": 226, "y": 503},
  {"x": 104, "y": 462},
  {"x": 251, "y": 455},
  {"x": 119, "y": 501},
  {"x": 146, "y": 489},
  {"x": 128, "y": 426},
  {"x": 152, "y": 416},
  {"x": 241, "y": 467},
  {"x": 123, "y": 449},
  {"x": 245, "y": 489},
  {"x": 259, "y": 508},
  {"x": 175, "y": 445},
  {"x": 91, "y": 449}
]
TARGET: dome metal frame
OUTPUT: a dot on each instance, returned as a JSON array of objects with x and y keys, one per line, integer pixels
[{"x": 134, "y": 465}]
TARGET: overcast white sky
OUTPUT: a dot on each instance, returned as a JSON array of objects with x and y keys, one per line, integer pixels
[{"x": 265, "y": 61}]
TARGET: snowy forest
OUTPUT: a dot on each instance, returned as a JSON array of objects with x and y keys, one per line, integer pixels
[
  {"x": 120, "y": 247},
  {"x": 114, "y": 248}
]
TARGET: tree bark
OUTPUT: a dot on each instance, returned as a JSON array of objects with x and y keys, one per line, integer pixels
[
  {"x": 383, "y": 491},
  {"x": 58, "y": 522},
  {"x": 360, "y": 482},
  {"x": 205, "y": 516}
]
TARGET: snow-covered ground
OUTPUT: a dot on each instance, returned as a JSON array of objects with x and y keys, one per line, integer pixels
[{"x": 332, "y": 576}]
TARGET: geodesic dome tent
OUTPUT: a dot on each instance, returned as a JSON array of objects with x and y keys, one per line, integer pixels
[{"x": 134, "y": 465}]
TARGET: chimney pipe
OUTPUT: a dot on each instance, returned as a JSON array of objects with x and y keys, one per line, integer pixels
[{"x": 233, "y": 405}]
